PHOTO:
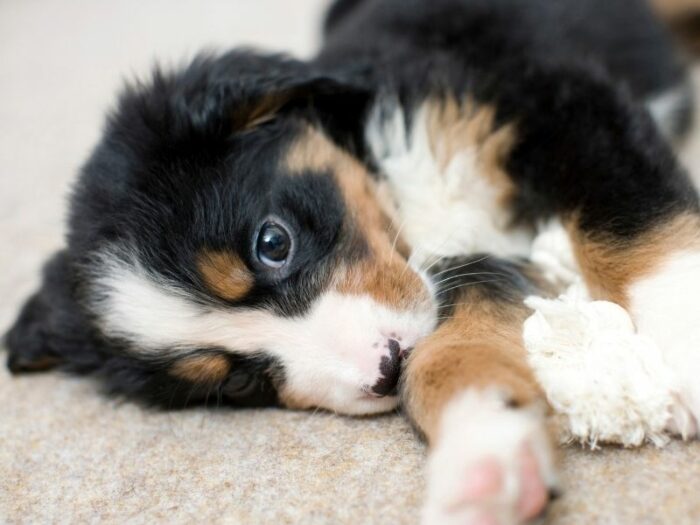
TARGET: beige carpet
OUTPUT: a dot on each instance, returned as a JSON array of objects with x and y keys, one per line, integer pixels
[{"x": 70, "y": 456}]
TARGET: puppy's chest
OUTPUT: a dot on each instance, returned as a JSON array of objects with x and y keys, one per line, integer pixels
[{"x": 444, "y": 178}]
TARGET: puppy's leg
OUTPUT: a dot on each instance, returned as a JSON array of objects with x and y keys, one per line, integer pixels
[
  {"x": 52, "y": 330},
  {"x": 589, "y": 155},
  {"x": 656, "y": 276},
  {"x": 469, "y": 390}
]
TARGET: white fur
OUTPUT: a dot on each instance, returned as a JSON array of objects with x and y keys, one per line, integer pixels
[
  {"x": 442, "y": 212},
  {"x": 476, "y": 425},
  {"x": 609, "y": 380},
  {"x": 330, "y": 355},
  {"x": 666, "y": 307},
  {"x": 665, "y": 107},
  {"x": 609, "y": 383},
  {"x": 606, "y": 382},
  {"x": 553, "y": 254}
]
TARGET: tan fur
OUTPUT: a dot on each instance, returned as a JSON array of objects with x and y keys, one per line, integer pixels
[
  {"x": 683, "y": 18},
  {"x": 480, "y": 346},
  {"x": 202, "y": 368},
  {"x": 38, "y": 364},
  {"x": 295, "y": 400},
  {"x": 674, "y": 8},
  {"x": 382, "y": 272},
  {"x": 385, "y": 281},
  {"x": 225, "y": 274},
  {"x": 315, "y": 152},
  {"x": 387, "y": 202},
  {"x": 610, "y": 267},
  {"x": 251, "y": 115},
  {"x": 455, "y": 127}
]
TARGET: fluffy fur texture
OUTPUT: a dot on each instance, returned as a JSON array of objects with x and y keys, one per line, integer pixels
[
  {"x": 606, "y": 379},
  {"x": 349, "y": 232},
  {"x": 447, "y": 206},
  {"x": 164, "y": 258},
  {"x": 663, "y": 306},
  {"x": 606, "y": 382},
  {"x": 168, "y": 215}
]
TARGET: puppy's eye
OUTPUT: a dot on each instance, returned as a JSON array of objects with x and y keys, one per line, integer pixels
[{"x": 273, "y": 245}]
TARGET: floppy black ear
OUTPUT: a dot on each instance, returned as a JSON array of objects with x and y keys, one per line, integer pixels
[
  {"x": 51, "y": 329},
  {"x": 243, "y": 89}
]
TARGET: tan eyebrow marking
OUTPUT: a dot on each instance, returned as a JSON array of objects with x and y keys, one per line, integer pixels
[
  {"x": 381, "y": 274},
  {"x": 225, "y": 274},
  {"x": 209, "y": 368}
]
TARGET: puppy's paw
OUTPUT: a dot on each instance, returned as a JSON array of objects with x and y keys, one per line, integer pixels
[
  {"x": 665, "y": 306},
  {"x": 606, "y": 382},
  {"x": 683, "y": 421},
  {"x": 491, "y": 464}
]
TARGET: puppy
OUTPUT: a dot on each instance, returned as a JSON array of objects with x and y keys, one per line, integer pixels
[{"x": 255, "y": 230}]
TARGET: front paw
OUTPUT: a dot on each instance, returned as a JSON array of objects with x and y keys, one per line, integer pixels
[{"x": 491, "y": 465}]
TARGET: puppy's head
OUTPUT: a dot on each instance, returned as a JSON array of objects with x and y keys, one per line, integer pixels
[{"x": 223, "y": 239}]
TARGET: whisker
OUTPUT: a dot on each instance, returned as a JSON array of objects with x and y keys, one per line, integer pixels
[
  {"x": 467, "y": 275},
  {"x": 462, "y": 265},
  {"x": 173, "y": 393},
  {"x": 396, "y": 237},
  {"x": 438, "y": 258},
  {"x": 455, "y": 304},
  {"x": 193, "y": 388},
  {"x": 219, "y": 396},
  {"x": 407, "y": 265},
  {"x": 435, "y": 257},
  {"x": 323, "y": 401},
  {"x": 442, "y": 292}
]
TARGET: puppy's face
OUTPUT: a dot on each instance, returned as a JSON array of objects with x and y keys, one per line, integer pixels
[{"x": 244, "y": 252}]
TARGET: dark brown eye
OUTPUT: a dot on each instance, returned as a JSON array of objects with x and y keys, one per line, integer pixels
[{"x": 273, "y": 245}]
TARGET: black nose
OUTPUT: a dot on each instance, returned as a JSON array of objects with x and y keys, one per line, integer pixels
[{"x": 390, "y": 368}]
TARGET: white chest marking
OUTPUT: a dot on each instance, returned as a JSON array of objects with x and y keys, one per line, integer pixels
[{"x": 446, "y": 208}]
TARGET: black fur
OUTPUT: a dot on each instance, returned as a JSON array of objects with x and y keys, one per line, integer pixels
[
  {"x": 52, "y": 328},
  {"x": 573, "y": 75},
  {"x": 178, "y": 168},
  {"x": 503, "y": 281},
  {"x": 476, "y": 40},
  {"x": 172, "y": 176}
]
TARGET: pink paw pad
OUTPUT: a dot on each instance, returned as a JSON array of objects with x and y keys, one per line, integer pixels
[
  {"x": 485, "y": 519},
  {"x": 533, "y": 493},
  {"x": 484, "y": 481}
]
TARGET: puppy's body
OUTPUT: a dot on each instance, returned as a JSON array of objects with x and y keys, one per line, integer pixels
[{"x": 258, "y": 230}]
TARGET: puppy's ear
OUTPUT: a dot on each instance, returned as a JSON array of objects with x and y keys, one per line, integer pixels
[
  {"x": 51, "y": 329},
  {"x": 242, "y": 90},
  {"x": 318, "y": 93}
]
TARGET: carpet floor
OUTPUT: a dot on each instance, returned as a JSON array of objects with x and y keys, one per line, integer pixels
[{"x": 68, "y": 455}]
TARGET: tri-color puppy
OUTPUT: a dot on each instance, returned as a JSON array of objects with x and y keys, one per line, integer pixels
[{"x": 253, "y": 229}]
